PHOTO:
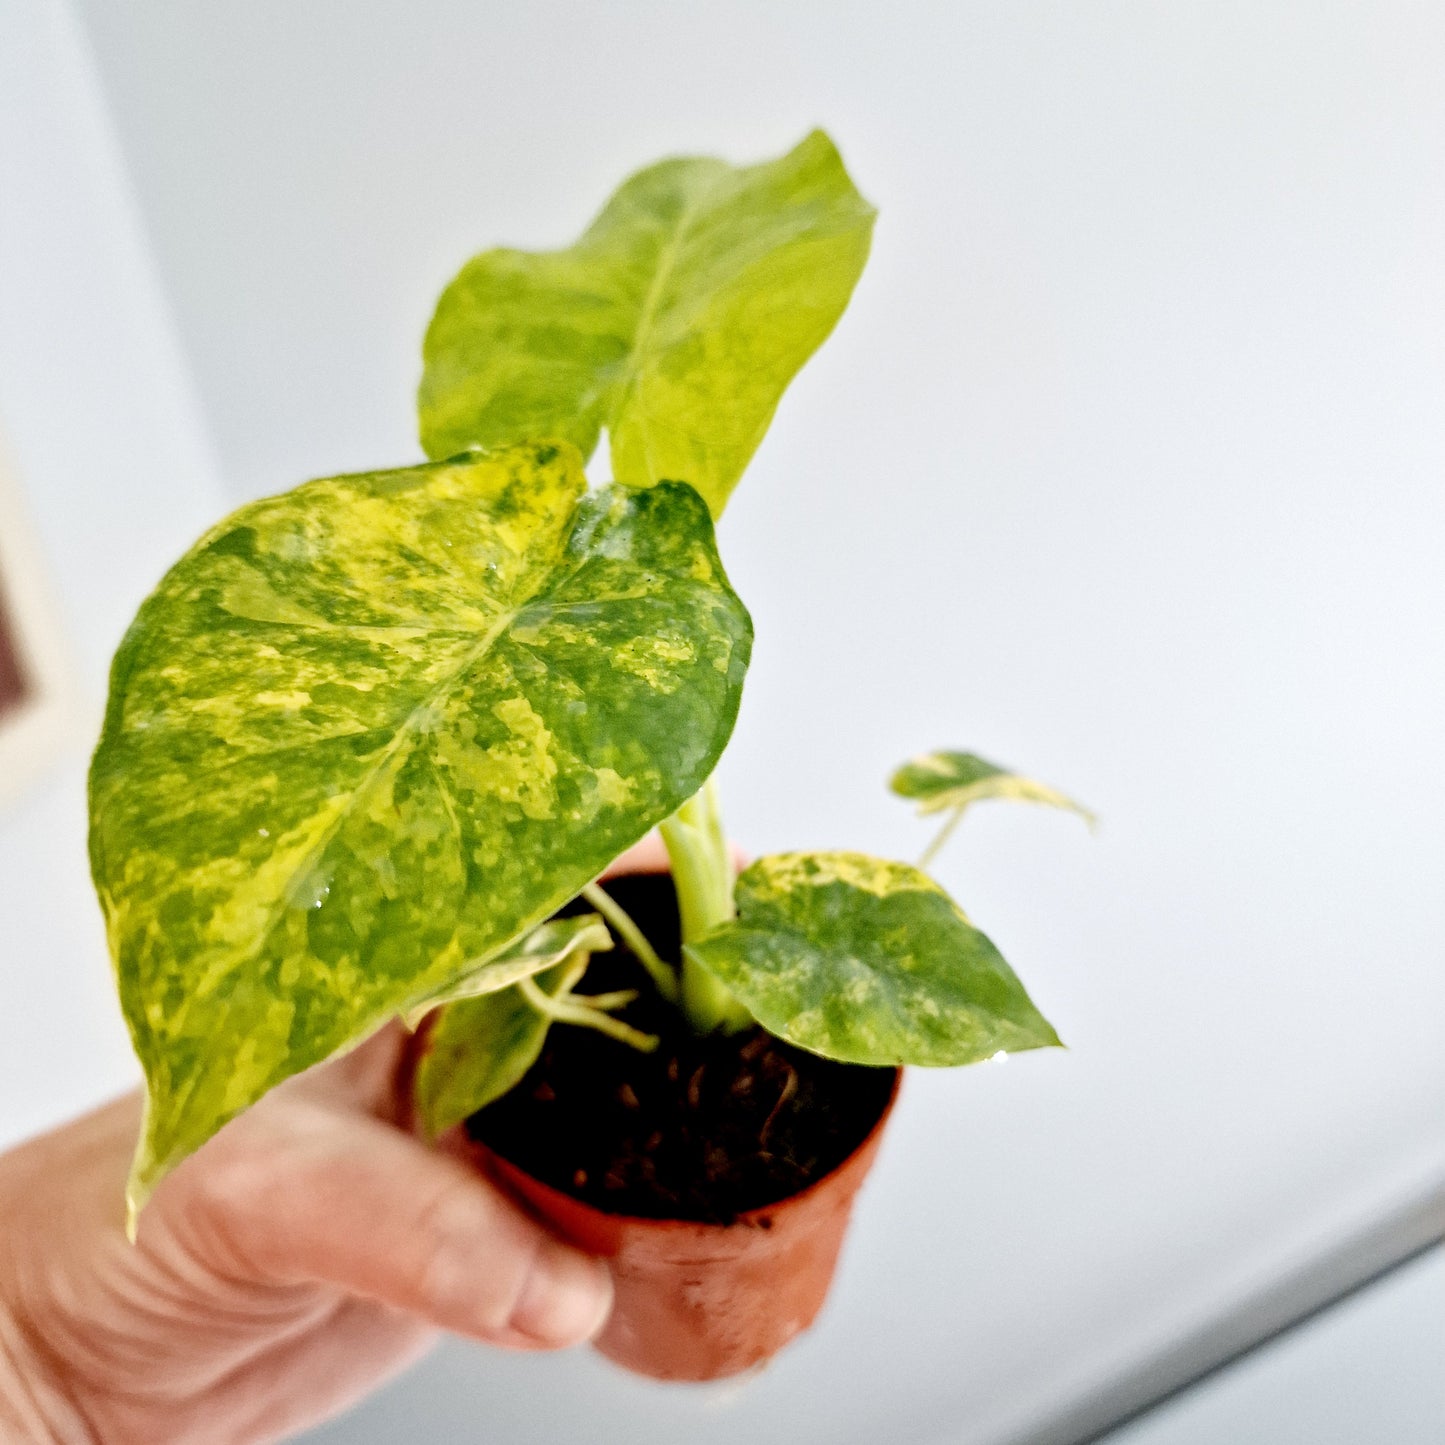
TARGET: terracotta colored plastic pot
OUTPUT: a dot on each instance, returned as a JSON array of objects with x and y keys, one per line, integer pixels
[
  {"x": 698, "y": 1301},
  {"x": 702, "y": 1301}
]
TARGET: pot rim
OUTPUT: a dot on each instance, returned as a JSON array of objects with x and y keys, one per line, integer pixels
[{"x": 747, "y": 1219}]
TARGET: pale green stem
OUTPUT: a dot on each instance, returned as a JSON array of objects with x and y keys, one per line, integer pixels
[
  {"x": 572, "y": 976},
  {"x": 941, "y": 837},
  {"x": 570, "y": 1010},
  {"x": 703, "y": 876},
  {"x": 717, "y": 841},
  {"x": 660, "y": 973},
  {"x": 618, "y": 998}
]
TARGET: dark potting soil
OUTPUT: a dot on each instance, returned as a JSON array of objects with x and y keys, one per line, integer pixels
[{"x": 702, "y": 1128}]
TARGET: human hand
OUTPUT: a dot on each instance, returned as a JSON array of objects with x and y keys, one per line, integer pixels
[{"x": 308, "y": 1252}]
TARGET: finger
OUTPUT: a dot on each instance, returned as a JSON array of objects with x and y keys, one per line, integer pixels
[
  {"x": 650, "y": 856},
  {"x": 308, "y": 1194}
]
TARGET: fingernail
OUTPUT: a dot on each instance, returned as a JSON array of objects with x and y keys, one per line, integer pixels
[{"x": 566, "y": 1298}]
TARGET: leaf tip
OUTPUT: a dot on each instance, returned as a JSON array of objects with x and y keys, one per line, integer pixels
[
  {"x": 1048, "y": 1035},
  {"x": 138, "y": 1190}
]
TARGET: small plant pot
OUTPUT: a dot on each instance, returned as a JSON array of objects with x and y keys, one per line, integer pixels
[
  {"x": 703, "y": 1301},
  {"x": 697, "y": 1300}
]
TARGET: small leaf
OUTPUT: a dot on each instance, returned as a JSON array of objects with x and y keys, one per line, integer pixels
[
  {"x": 479, "y": 1048},
  {"x": 869, "y": 962},
  {"x": 367, "y": 733},
  {"x": 945, "y": 780},
  {"x": 676, "y": 322},
  {"x": 544, "y": 947}
]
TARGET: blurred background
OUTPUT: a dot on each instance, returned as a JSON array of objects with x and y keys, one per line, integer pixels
[{"x": 1124, "y": 469}]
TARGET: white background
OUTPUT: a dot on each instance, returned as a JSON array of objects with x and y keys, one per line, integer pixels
[
  {"x": 1124, "y": 468},
  {"x": 102, "y": 432}
]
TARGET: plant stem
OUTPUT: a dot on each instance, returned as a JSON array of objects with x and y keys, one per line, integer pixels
[
  {"x": 940, "y": 838},
  {"x": 618, "y": 998},
  {"x": 569, "y": 1009},
  {"x": 664, "y": 976},
  {"x": 703, "y": 876}
]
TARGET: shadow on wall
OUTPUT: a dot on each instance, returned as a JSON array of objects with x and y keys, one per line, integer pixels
[{"x": 14, "y": 682}]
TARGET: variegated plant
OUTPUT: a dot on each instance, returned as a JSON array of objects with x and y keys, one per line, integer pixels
[{"x": 367, "y": 736}]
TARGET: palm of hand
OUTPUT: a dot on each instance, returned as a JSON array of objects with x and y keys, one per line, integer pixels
[{"x": 307, "y": 1253}]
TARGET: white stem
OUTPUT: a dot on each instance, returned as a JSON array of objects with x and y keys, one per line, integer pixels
[
  {"x": 618, "y": 998},
  {"x": 703, "y": 876},
  {"x": 570, "y": 1010}
]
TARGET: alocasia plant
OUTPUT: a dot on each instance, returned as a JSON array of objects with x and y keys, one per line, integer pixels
[{"x": 367, "y": 736}]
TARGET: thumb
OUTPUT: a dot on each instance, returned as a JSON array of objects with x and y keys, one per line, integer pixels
[{"x": 310, "y": 1193}]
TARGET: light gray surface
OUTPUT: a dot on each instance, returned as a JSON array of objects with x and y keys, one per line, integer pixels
[
  {"x": 1217, "y": 1349},
  {"x": 1124, "y": 468},
  {"x": 1369, "y": 1371}
]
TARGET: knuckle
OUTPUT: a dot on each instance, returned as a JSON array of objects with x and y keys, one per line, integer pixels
[
  {"x": 220, "y": 1204},
  {"x": 469, "y": 1262}
]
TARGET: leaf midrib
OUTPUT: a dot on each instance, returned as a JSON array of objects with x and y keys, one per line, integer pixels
[
  {"x": 647, "y": 315},
  {"x": 548, "y": 581},
  {"x": 314, "y": 853},
  {"x": 405, "y": 734}
]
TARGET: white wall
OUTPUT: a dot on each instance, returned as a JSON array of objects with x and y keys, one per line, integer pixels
[
  {"x": 1125, "y": 468},
  {"x": 98, "y": 423}
]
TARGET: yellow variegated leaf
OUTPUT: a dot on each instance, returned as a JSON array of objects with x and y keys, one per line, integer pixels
[
  {"x": 870, "y": 962},
  {"x": 945, "y": 780},
  {"x": 367, "y": 733},
  {"x": 676, "y": 322}
]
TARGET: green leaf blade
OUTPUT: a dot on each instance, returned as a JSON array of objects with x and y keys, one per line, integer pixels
[
  {"x": 943, "y": 780},
  {"x": 477, "y": 1049},
  {"x": 676, "y": 322},
  {"x": 546, "y": 946},
  {"x": 869, "y": 962},
  {"x": 366, "y": 733}
]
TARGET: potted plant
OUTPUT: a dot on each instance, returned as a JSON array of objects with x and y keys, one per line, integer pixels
[{"x": 371, "y": 744}]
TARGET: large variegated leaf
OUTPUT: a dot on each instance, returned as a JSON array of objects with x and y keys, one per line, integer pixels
[
  {"x": 543, "y": 948},
  {"x": 676, "y": 322},
  {"x": 870, "y": 962},
  {"x": 946, "y": 780},
  {"x": 366, "y": 733}
]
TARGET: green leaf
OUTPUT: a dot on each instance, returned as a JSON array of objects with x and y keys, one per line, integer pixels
[
  {"x": 479, "y": 1048},
  {"x": 869, "y": 962},
  {"x": 676, "y": 322},
  {"x": 544, "y": 947},
  {"x": 367, "y": 733},
  {"x": 945, "y": 780}
]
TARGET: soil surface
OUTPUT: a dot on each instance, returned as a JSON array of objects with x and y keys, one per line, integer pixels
[{"x": 703, "y": 1128}]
